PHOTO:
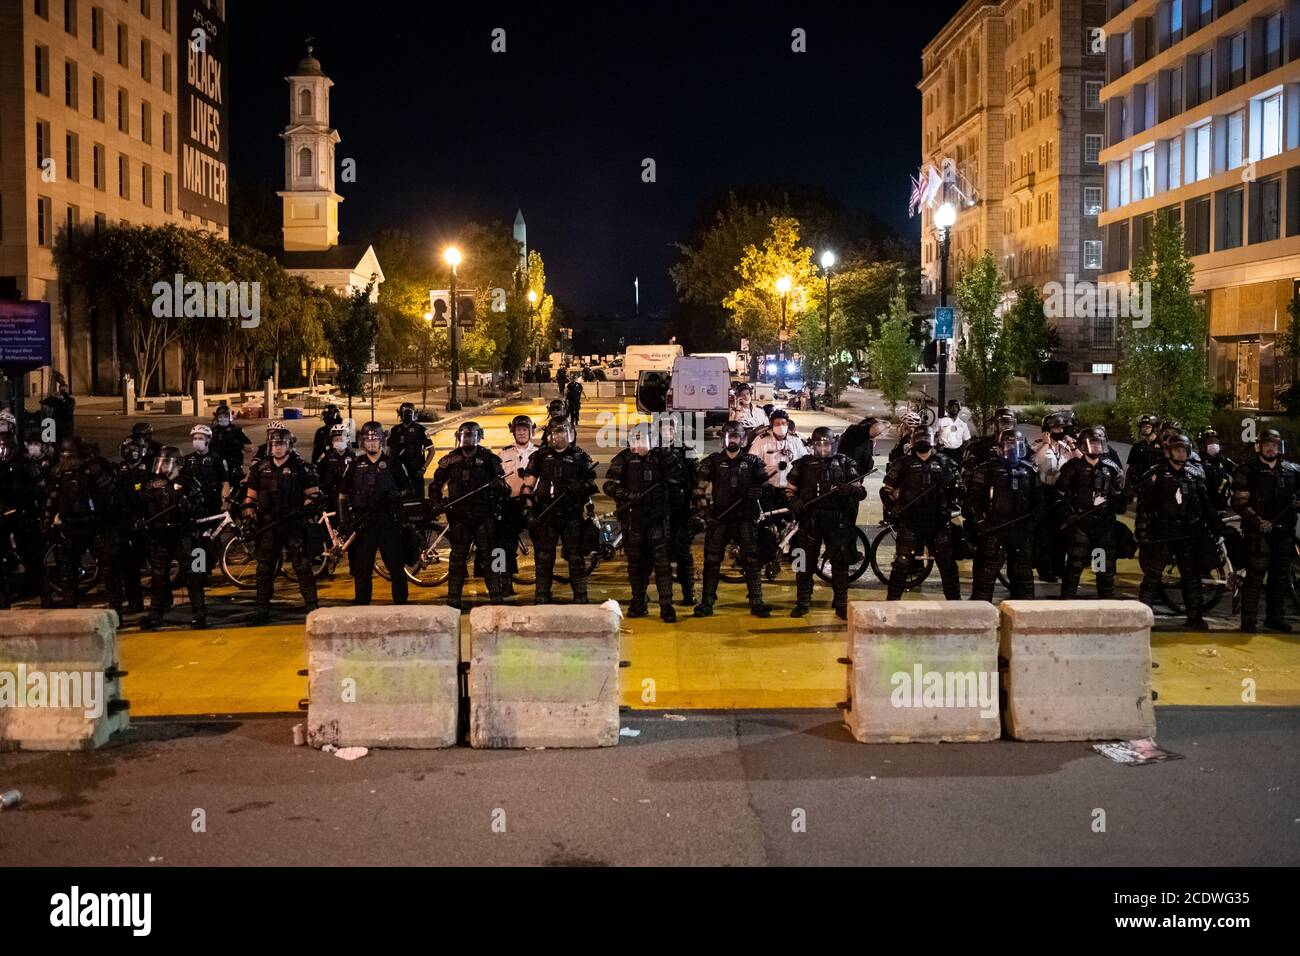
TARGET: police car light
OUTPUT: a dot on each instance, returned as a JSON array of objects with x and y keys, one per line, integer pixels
[{"x": 771, "y": 368}]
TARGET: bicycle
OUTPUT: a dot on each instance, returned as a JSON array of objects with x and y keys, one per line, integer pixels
[
  {"x": 786, "y": 526},
  {"x": 925, "y": 406},
  {"x": 1223, "y": 578},
  {"x": 431, "y": 566},
  {"x": 884, "y": 550},
  {"x": 325, "y": 564}
]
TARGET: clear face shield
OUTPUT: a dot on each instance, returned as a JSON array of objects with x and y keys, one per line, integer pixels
[
  {"x": 1179, "y": 454},
  {"x": 167, "y": 467},
  {"x": 1094, "y": 447},
  {"x": 467, "y": 438},
  {"x": 732, "y": 440},
  {"x": 372, "y": 443},
  {"x": 279, "y": 447},
  {"x": 922, "y": 445},
  {"x": 1013, "y": 450},
  {"x": 559, "y": 437},
  {"x": 638, "y": 441},
  {"x": 1270, "y": 449}
]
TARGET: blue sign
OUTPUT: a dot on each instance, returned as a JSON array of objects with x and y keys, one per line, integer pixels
[
  {"x": 24, "y": 335},
  {"x": 943, "y": 322}
]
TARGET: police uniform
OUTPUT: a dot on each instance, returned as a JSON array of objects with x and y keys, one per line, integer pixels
[
  {"x": 735, "y": 485},
  {"x": 825, "y": 493},
  {"x": 918, "y": 497},
  {"x": 642, "y": 487},
  {"x": 1092, "y": 497},
  {"x": 407, "y": 443},
  {"x": 168, "y": 507},
  {"x": 369, "y": 496},
  {"x": 284, "y": 525},
  {"x": 566, "y": 481},
  {"x": 1175, "y": 523},
  {"x": 1003, "y": 506},
  {"x": 474, "y": 474},
  {"x": 1266, "y": 494}
]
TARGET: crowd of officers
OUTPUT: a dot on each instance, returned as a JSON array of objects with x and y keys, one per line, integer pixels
[{"x": 1051, "y": 507}]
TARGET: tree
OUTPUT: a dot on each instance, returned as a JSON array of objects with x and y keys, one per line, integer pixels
[
  {"x": 1162, "y": 352},
  {"x": 755, "y": 304},
  {"x": 1288, "y": 343},
  {"x": 350, "y": 334},
  {"x": 983, "y": 359},
  {"x": 1030, "y": 339},
  {"x": 892, "y": 354}
]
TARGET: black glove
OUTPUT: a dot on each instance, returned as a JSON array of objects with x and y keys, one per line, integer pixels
[
  {"x": 797, "y": 507},
  {"x": 577, "y": 487}
]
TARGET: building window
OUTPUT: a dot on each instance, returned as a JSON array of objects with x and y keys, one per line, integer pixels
[
  {"x": 97, "y": 29},
  {"x": 1237, "y": 60},
  {"x": 144, "y": 8},
  {"x": 72, "y": 154},
  {"x": 1146, "y": 168},
  {"x": 1273, "y": 42},
  {"x": 1270, "y": 130},
  {"x": 304, "y": 102},
  {"x": 1092, "y": 253},
  {"x": 146, "y": 122},
  {"x": 146, "y": 61},
  {"x": 1228, "y": 219},
  {"x": 1236, "y": 145},
  {"x": 1091, "y": 200},
  {"x": 1092, "y": 94},
  {"x": 1103, "y": 330},
  {"x": 1175, "y": 91},
  {"x": 42, "y": 9},
  {"x": 70, "y": 17},
  {"x": 1125, "y": 182},
  {"x": 167, "y": 70},
  {"x": 73, "y": 219},
  {"x": 1204, "y": 78},
  {"x": 123, "y": 57},
  {"x": 167, "y": 132},
  {"x": 1175, "y": 21},
  {"x": 1091, "y": 147},
  {"x": 167, "y": 15},
  {"x": 304, "y": 162},
  {"x": 1266, "y": 210},
  {"x": 97, "y": 97},
  {"x": 167, "y": 184},
  {"x": 146, "y": 185},
  {"x": 70, "y": 97},
  {"x": 100, "y": 222},
  {"x": 1201, "y": 157},
  {"x": 97, "y": 162},
  {"x": 42, "y": 70},
  {"x": 42, "y": 143},
  {"x": 1175, "y": 163},
  {"x": 123, "y": 113},
  {"x": 123, "y": 177},
  {"x": 44, "y": 223}
]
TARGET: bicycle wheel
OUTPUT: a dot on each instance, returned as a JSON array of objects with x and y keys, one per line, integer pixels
[
  {"x": 928, "y": 415},
  {"x": 87, "y": 574},
  {"x": 733, "y": 569},
  {"x": 525, "y": 561},
  {"x": 1294, "y": 580},
  {"x": 882, "y": 560},
  {"x": 862, "y": 544},
  {"x": 431, "y": 569},
  {"x": 1213, "y": 584},
  {"x": 239, "y": 563}
]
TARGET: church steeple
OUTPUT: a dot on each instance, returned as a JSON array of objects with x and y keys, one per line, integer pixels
[{"x": 311, "y": 206}]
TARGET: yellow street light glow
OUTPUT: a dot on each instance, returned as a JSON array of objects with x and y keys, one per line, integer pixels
[
  {"x": 428, "y": 316},
  {"x": 828, "y": 259},
  {"x": 783, "y": 284},
  {"x": 452, "y": 255},
  {"x": 945, "y": 216},
  {"x": 532, "y": 296}
]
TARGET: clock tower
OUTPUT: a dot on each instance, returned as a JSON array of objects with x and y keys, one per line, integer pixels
[{"x": 311, "y": 206}]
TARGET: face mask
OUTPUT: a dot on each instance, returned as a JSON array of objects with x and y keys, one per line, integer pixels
[
  {"x": 340, "y": 445},
  {"x": 223, "y": 420},
  {"x": 200, "y": 445},
  {"x": 1211, "y": 450},
  {"x": 34, "y": 450},
  {"x": 780, "y": 430}
]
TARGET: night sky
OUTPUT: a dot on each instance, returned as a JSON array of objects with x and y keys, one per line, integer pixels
[{"x": 444, "y": 131}]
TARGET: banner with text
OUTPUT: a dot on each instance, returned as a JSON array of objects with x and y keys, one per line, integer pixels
[{"x": 203, "y": 160}]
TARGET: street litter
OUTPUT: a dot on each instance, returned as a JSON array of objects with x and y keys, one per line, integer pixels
[
  {"x": 1209, "y": 652},
  {"x": 10, "y": 798},
  {"x": 351, "y": 753},
  {"x": 1135, "y": 753},
  {"x": 628, "y": 732},
  {"x": 299, "y": 735},
  {"x": 673, "y": 717}
]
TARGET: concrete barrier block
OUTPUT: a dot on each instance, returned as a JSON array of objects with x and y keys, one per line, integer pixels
[
  {"x": 383, "y": 676},
  {"x": 923, "y": 671},
  {"x": 1077, "y": 670},
  {"x": 58, "y": 689},
  {"x": 544, "y": 676}
]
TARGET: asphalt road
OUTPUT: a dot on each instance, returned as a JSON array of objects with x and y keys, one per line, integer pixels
[{"x": 713, "y": 788}]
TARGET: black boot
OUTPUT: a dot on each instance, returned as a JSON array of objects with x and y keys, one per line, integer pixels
[
  {"x": 800, "y": 610},
  {"x": 667, "y": 614}
]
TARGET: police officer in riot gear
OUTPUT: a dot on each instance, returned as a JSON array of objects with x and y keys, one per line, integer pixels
[
  {"x": 369, "y": 497},
  {"x": 918, "y": 494},
  {"x": 469, "y": 483},
  {"x": 1264, "y": 491},
  {"x": 20, "y": 489},
  {"x": 641, "y": 481},
  {"x": 1092, "y": 498},
  {"x": 281, "y": 505},
  {"x": 80, "y": 505},
  {"x": 128, "y": 539},
  {"x": 330, "y": 417},
  {"x": 274, "y": 427},
  {"x": 681, "y": 523},
  {"x": 1002, "y": 507},
  {"x": 823, "y": 490},
  {"x": 228, "y": 441},
  {"x": 1176, "y": 520},
  {"x": 985, "y": 447},
  {"x": 207, "y": 468},
  {"x": 142, "y": 435},
  {"x": 169, "y": 502},
  {"x": 558, "y": 484},
  {"x": 411, "y": 445},
  {"x": 735, "y": 480},
  {"x": 333, "y": 465},
  {"x": 1217, "y": 466}
]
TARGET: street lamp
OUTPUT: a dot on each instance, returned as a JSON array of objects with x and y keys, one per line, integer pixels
[
  {"x": 451, "y": 255},
  {"x": 828, "y": 260},
  {"x": 532, "y": 321},
  {"x": 944, "y": 218},
  {"x": 783, "y": 287}
]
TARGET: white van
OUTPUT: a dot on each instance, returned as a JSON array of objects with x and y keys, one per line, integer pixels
[{"x": 649, "y": 358}]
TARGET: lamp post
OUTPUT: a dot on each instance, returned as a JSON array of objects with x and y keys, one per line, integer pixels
[
  {"x": 532, "y": 331},
  {"x": 424, "y": 366},
  {"x": 452, "y": 258},
  {"x": 828, "y": 260},
  {"x": 944, "y": 218},
  {"x": 783, "y": 287}
]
